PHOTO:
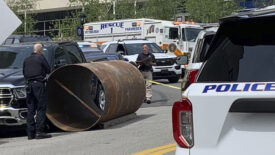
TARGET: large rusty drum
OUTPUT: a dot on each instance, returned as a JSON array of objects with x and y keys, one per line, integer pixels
[{"x": 82, "y": 95}]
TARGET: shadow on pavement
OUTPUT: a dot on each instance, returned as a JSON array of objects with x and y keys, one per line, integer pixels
[
  {"x": 21, "y": 131},
  {"x": 3, "y": 142},
  {"x": 137, "y": 119},
  {"x": 162, "y": 100},
  {"x": 11, "y": 132}
]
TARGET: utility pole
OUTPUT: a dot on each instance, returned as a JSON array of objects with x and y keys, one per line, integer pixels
[
  {"x": 135, "y": 7},
  {"x": 25, "y": 18},
  {"x": 25, "y": 22},
  {"x": 114, "y": 8}
]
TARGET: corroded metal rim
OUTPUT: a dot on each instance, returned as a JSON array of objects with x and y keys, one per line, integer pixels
[{"x": 71, "y": 106}]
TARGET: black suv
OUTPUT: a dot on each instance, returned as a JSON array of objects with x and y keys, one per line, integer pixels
[{"x": 13, "y": 107}]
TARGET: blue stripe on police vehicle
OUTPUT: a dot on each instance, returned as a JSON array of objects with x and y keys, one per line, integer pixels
[{"x": 239, "y": 87}]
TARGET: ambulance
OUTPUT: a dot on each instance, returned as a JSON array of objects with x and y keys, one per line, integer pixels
[{"x": 177, "y": 38}]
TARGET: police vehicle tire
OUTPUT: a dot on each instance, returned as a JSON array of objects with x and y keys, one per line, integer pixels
[{"x": 173, "y": 80}]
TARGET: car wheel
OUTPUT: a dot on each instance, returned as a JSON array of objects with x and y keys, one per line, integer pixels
[
  {"x": 173, "y": 80},
  {"x": 101, "y": 97}
]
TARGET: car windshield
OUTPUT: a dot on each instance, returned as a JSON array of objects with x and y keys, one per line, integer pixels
[
  {"x": 14, "y": 57},
  {"x": 137, "y": 48},
  {"x": 191, "y": 34}
]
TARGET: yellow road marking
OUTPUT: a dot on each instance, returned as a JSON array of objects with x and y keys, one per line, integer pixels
[
  {"x": 170, "y": 147},
  {"x": 166, "y": 85},
  {"x": 164, "y": 151}
]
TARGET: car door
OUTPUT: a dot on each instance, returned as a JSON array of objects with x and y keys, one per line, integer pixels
[
  {"x": 74, "y": 53},
  {"x": 60, "y": 57}
]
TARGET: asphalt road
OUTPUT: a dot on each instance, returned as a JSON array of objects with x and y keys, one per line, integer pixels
[{"x": 149, "y": 133}]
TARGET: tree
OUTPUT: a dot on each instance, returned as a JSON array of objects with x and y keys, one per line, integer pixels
[
  {"x": 98, "y": 10},
  {"x": 21, "y": 8},
  {"x": 161, "y": 9},
  {"x": 95, "y": 10},
  {"x": 263, "y": 3},
  {"x": 209, "y": 11},
  {"x": 66, "y": 28},
  {"x": 125, "y": 9}
]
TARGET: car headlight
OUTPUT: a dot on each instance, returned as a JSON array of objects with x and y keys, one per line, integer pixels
[{"x": 20, "y": 92}]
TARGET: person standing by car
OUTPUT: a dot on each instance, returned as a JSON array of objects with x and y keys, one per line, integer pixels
[
  {"x": 146, "y": 60},
  {"x": 35, "y": 68}
]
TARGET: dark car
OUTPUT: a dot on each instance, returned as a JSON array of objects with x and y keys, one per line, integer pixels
[
  {"x": 15, "y": 39},
  {"x": 103, "y": 57},
  {"x": 13, "y": 107},
  {"x": 93, "y": 54}
]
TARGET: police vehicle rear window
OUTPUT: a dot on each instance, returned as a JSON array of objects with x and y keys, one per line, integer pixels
[{"x": 243, "y": 55}]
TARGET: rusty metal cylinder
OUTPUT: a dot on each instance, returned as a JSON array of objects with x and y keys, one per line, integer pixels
[{"x": 73, "y": 93}]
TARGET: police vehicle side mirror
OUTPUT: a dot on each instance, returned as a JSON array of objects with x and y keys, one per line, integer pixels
[{"x": 182, "y": 60}]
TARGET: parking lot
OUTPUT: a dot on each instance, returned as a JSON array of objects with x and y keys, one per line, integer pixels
[
  {"x": 149, "y": 132},
  {"x": 75, "y": 78}
]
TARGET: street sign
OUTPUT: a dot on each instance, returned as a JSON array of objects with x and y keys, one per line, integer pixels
[
  {"x": 79, "y": 30},
  {"x": 9, "y": 21}
]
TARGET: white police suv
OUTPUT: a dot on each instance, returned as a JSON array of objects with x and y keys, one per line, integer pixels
[
  {"x": 230, "y": 109},
  {"x": 166, "y": 67}
]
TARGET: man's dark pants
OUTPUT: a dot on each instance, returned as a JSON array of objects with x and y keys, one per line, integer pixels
[{"x": 36, "y": 102}]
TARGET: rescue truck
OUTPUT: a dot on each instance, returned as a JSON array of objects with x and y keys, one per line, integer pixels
[
  {"x": 176, "y": 38},
  {"x": 230, "y": 108}
]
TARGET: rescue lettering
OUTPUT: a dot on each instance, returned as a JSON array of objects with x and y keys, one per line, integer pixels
[{"x": 111, "y": 25}]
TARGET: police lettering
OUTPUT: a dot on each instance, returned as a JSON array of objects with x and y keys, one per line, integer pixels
[{"x": 240, "y": 87}]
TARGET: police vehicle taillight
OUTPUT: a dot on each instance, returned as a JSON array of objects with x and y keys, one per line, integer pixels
[
  {"x": 182, "y": 120},
  {"x": 192, "y": 75}
]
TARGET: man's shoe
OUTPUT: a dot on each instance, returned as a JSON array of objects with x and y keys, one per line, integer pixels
[
  {"x": 148, "y": 101},
  {"x": 42, "y": 135}
]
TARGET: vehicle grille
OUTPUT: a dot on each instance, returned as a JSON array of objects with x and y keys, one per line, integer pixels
[
  {"x": 19, "y": 104},
  {"x": 5, "y": 96},
  {"x": 165, "y": 62}
]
